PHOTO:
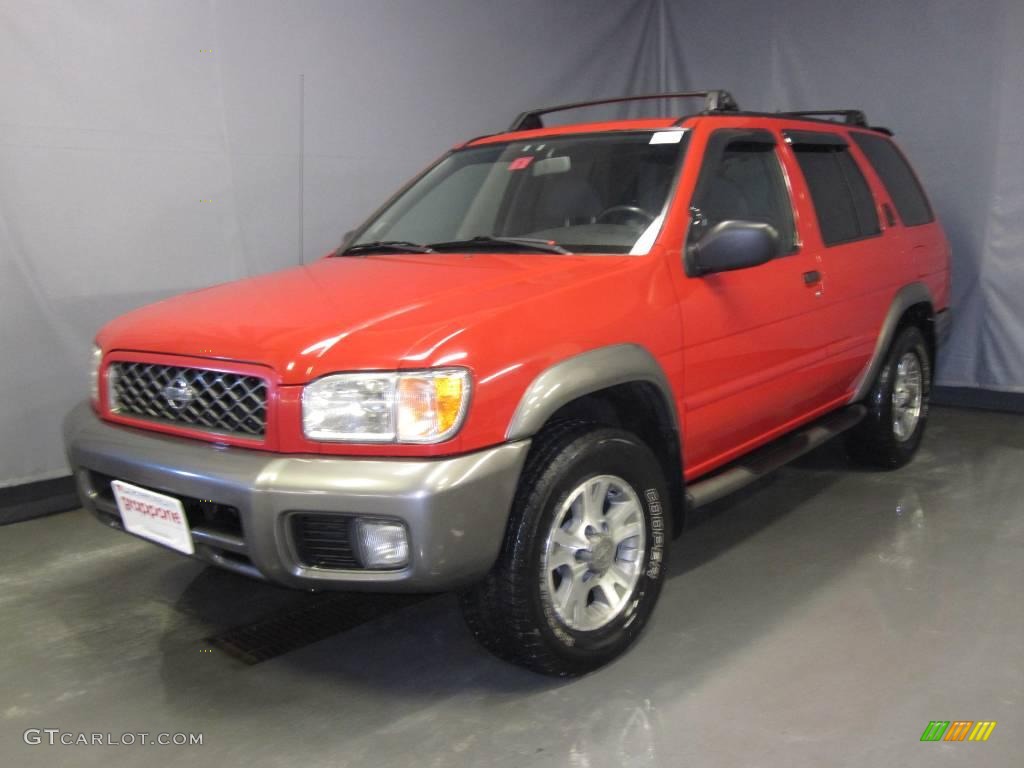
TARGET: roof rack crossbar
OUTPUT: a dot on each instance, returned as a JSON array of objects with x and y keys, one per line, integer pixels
[
  {"x": 850, "y": 116},
  {"x": 714, "y": 101}
]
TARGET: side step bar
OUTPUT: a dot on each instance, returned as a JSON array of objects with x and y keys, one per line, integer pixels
[{"x": 761, "y": 462}]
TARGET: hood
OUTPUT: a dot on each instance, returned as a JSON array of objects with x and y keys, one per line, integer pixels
[{"x": 347, "y": 313}]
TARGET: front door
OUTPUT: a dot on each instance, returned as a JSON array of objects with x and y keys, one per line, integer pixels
[{"x": 755, "y": 358}]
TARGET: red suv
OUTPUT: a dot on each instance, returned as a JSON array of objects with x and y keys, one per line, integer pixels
[{"x": 515, "y": 378}]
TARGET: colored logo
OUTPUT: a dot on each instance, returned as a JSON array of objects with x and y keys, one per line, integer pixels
[{"x": 958, "y": 730}]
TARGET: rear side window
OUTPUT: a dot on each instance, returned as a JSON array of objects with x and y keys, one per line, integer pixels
[
  {"x": 742, "y": 179},
  {"x": 842, "y": 200},
  {"x": 898, "y": 178}
]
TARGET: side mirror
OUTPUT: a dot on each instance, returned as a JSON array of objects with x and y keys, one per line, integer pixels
[{"x": 732, "y": 245}]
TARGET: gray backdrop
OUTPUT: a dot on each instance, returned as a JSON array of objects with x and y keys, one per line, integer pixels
[
  {"x": 946, "y": 76},
  {"x": 152, "y": 148},
  {"x": 117, "y": 123}
]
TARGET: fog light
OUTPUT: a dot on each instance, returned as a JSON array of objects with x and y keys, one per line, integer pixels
[{"x": 382, "y": 545}]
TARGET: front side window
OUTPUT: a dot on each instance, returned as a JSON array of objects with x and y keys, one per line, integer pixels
[
  {"x": 742, "y": 180},
  {"x": 842, "y": 199},
  {"x": 601, "y": 193}
]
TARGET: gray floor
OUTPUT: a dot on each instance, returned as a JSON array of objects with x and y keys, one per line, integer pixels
[{"x": 822, "y": 618}]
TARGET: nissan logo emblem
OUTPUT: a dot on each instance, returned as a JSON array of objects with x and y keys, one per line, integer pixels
[{"x": 179, "y": 394}]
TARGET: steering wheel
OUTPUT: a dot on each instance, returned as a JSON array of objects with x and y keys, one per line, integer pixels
[{"x": 628, "y": 211}]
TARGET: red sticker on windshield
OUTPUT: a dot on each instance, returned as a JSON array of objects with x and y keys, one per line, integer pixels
[{"x": 520, "y": 162}]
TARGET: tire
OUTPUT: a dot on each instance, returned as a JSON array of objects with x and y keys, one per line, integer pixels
[
  {"x": 888, "y": 437},
  {"x": 545, "y": 606}
]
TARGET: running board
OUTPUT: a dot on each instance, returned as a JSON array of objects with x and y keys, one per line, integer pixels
[{"x": 782, "y": 451}]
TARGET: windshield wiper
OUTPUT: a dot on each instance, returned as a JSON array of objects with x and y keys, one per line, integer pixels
[
  {"x": 388, "y": 246},
  {"x": 490, "y": 242}
]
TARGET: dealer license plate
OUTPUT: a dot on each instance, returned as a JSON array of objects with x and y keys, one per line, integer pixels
[{"x": 153, "y": 516}]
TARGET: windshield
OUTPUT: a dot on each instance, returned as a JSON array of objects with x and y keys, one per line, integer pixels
[{"x": 599, "y": 193}]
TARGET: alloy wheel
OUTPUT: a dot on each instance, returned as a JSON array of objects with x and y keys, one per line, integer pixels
[
  {"x": 907, "y": 396},
  {"x": 593, "y": 557}
]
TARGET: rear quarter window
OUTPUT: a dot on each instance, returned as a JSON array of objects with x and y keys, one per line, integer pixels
[{"x": 898, "y": 177}]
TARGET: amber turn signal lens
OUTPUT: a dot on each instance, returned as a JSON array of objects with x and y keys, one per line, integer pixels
[{"x": 431, "y": 404}]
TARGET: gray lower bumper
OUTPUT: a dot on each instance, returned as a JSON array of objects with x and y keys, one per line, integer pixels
[{"x": 455, "y": 509}]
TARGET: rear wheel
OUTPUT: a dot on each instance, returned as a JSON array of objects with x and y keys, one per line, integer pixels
[
  {"x": 890, "y": 434},
  {"x": 582, "y": 563}
]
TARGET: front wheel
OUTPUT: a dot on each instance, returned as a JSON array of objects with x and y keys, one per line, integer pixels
[
  {"x": 583, "y": 559},
  {"x": 891, "y": 432}
]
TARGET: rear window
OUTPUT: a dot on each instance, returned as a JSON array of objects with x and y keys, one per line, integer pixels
[
  {"x": 898, "y": 178},
  {"x": 842, "y": 200}
]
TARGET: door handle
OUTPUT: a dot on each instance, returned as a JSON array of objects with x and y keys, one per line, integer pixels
[{"x": 812, "y": 277}]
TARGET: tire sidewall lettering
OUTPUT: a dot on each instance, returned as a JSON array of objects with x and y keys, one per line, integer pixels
[{"x": 656, "y": 529}]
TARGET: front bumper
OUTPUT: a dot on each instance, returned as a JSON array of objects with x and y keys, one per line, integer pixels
[{"x": 455, "y": 509}]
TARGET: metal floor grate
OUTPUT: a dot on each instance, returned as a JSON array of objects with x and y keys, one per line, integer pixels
[{"x": 324, "y": 616}]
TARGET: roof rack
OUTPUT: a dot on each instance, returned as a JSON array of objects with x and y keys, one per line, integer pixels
[
  {"x": 850, "y": 116},
  {"x": 714, "y": 101}
]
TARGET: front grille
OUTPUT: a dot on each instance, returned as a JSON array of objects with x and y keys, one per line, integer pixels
[
  {"x": 224, "y": 403},
  {"x": 324, "y": 541}
]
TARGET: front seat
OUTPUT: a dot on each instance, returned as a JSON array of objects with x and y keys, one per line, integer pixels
[{"x": 566, "y": 200}]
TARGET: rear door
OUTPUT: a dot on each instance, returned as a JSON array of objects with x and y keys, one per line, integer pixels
[
  {"x": 862, "y": 259},
  {"x": 754, "y": 355}
]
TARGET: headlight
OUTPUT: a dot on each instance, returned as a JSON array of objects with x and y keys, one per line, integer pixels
[
  {"x": 94, "y": 375},
  {"x": 415, "y": 407}
]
